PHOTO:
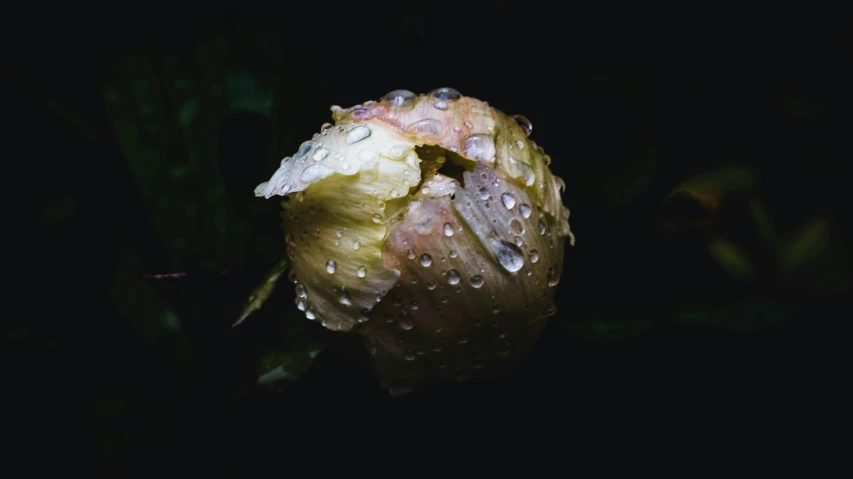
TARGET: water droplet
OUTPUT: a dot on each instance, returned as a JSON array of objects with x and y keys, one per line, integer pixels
[
  {"x": 399, "y": 98},
  {"x": 509, "y": 256},
  {"x": 340, "y": 233},
  {"x": 426, "y": 260},
  {"x": 483, "y": 194},
  {"x": 479, "y": 147},
  {"x": 305, "y": 147},
  {"x": 453, "y": 276},
  {"x": 320, "y": 154},
  {"x": 330, "y": 266},
  {"x": 477, "y": 281},
  {"x": 356, "y": 244},
  {"x": 427, "y": 126},
  {"x": 362, "y": 272},
  {"x": 534, "y": 256},
  {"x": 463, "y": 338},
  {"x": 445, "y": 299},
  {"x": 431, "y": 285},
  {"x": 553, "y": 279},
  {"x": 409, "y": 355},
  {"x": 524, "y": 123},
  {"x": 453, "y": 253},
  {"x": 357, "y": 134},
  {"x": 527, "y": 173},
  {"x": 550, "y": 310},
  {"x": 397, "y": 151},
  {"x": 300, "y": 305},
  {"x": 445, "y": 94},
  {"x": 300, "y": 291},
  {"x": 525, "y": 210},
  {"x": 310, "y": 314},
  {"x": 437, "y": 347},
  {"x": 395, "y": 193},
  {"x": 440, "y": 104},
  {"x": 496, "y": 308},
  {"x": 516, "y": 226},
  {"x": 542, "y": 227},
  {"x": 519, "y": 144},
  {"x": 411, "y": 254},
  {"x": 345, "y": 298},
  {"x": 508, "y": 200},
  {"x": 377, "y": 218},
  {"x": 364, "y": 316},
  {"x": 414, "y": 305},
  {"x": 448, "y": 229},
  {"x": 406, "y": 323},
  {"x": 426, "y": 190},
  {"x": 315, "y": 173}
]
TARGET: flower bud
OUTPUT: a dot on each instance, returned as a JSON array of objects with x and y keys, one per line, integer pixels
[{"x": 429, "y": 224}]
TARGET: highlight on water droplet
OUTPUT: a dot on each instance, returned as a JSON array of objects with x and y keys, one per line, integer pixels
[
  {"x": 525, "y": 210},
  {"x": 426, "y": 260},
  {"x": 330, "y": 266},
  {"x": 509, "y": 255},
  {"x": 357, "y": 134},
  {"x": 524, "y": 123},
  {"x": 453, "y": 276},
  {"x": 448, "y": 229},
  {"x": 362, "y": 272},
  {"x": 345, "y": 298},
  {"x": 508, "y": 200}
]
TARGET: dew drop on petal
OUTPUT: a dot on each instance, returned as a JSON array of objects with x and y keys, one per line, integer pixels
[
  {"x": 509, "y": 256},
  {"x": 357, "y": 134},
  {"x": 377, "y": 218},
  {"x": 426, "y": 260},
  {"x": 453, "y": 253},
  {"x": 331, "y": 265},
  {"x": 534, "y": 256},
  {"x": 399, "y": 98},
  {"x": 508, "y": 200},
  {"x": 345, "y": 298},
  {"x": 411, "y": 254},
  {"x": 483, "y": 194},
  {"x": 477, "y": 281},
  {"x": 453, "y": 276},
  {"x": 525, "y": 210},
  {"x": 362, "y": 272},
  {"x": 524, "y": 123},
  {"x": 315, "y": 173},
  {"x": 445, "y": 94},
  {"x": 479, "y": 147},
  {"x": 516, "y": 226},
  {"x": 320, "y": 154},
  {"x": 553, "y": 279},
  {"x": 448, "y": 229},
  {"x": 427, "y": 126}
]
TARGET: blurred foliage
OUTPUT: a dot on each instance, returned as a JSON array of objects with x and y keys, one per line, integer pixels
[{"x": 705, "y": 188}]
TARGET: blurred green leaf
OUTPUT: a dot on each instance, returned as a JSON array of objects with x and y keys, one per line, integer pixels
[
  {"x": 741, "y": 316},
  {"x": 604, "y": 329},
  {"x": 732, "y": 259},
  {"x": 806, "y": 245},
  {"x": 263, "y": 291}
]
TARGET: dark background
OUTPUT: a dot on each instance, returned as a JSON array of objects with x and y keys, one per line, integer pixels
[{"x": 703, "y": 162}]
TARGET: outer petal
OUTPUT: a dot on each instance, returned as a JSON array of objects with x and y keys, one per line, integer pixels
[{"x": 478, "y": 266}]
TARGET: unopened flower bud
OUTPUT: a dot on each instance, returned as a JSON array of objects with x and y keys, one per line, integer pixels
[{"x": 429, "y": 224}]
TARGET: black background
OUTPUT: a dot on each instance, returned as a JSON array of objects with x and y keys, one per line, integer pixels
[{"x": 604, "y": 92}]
